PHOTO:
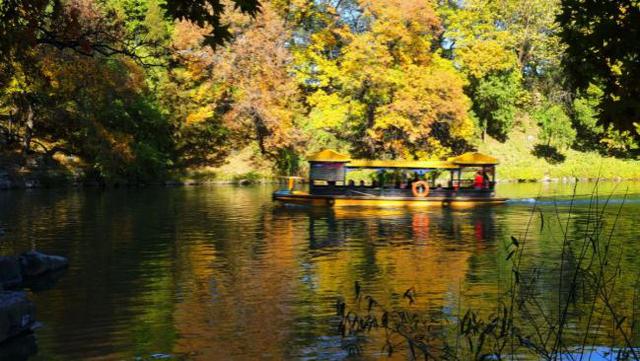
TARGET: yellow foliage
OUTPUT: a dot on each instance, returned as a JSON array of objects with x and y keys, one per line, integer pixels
[
  {"x": 388, "y": 88},
  {"x": 480, "y": 58},
  {"x": 329, "y": 110},
  {"x": 200, "y": 115}
]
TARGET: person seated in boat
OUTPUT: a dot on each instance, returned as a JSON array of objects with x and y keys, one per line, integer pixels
[
  {"x": 351, "y": 183},
  {"x": 487, "y": 180},
  {"x": 416, "y": 178},
  {"x": 362, "y": 183},
  {"x": 478, "y": 182}
]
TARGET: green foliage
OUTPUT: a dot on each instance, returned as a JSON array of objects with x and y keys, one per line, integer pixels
[
  {"x": 602, "y": 48},
  {"x": 495, "y": 99},
  {"x": 249, "y": 177},
  {"x": 619, "y": 143},
  {"x": 585, "y": 119},
  {"x": 555, "y": 126},
  {"x": 592, "y": 135},
  {"x": 500, "y": 35}
]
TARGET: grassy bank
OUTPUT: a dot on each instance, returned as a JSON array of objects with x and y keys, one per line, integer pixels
[
  {"x": 241, "y": 167},
  {"x": 518, "y": 162},
  {"x": 39, "y": 171}
]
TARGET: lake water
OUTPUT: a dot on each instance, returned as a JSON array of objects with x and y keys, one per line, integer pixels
[{"x": 219, "y": 273}]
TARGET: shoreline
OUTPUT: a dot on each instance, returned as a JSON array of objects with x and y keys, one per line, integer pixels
[{"x": 45, "y": 183}]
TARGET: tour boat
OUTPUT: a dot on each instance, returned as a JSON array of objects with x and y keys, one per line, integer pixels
[{"x": 337, "y": 180}]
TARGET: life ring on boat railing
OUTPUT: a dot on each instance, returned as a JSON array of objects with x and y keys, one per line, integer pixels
[{"x": 420, "y": 189}]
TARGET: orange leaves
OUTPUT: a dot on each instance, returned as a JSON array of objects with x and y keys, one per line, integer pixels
[
  {"x": 245, "y": 89},
  {"x": 426, "y": 97},
  {"x": 188, "y": 36},
  {"x": 406, "y": 27}
]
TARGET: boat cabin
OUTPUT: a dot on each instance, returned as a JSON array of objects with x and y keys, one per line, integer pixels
[{"x": 470, "y": 174}]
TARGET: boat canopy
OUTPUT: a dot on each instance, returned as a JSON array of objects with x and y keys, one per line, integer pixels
[
  {"x": 330, "y": 156},
  {"x": 474, "y": 159},
  {"x": 405, "y": 164},
  {"x": 466, "y": 159}
]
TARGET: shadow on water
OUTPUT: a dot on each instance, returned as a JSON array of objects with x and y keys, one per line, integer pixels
[
  {"x": 44, "y": 282},
  {"x": 18, "y": 348}
]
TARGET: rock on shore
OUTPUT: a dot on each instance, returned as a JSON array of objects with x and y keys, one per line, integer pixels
[
  {"x": 15, "y": 270},
  {"x": 35, "y": 264},
  {"x": 16, "y": 314},
  {"x": 16, "y": 310}
]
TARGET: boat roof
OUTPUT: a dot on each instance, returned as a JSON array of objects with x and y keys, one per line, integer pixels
[
  {"x": 474, "y": 158},
  {"x": 409, "y": 164},
  {"x": 466, "y": 159},
  {"x": 329, "y": 155}
]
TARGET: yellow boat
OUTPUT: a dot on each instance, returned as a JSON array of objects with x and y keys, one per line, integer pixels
[{"x": 333, "y": 182}]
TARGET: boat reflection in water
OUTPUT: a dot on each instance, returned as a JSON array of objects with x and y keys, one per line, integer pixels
[
  {"x": 332, "y": 226},
  {"x": 389, "y": 250}
]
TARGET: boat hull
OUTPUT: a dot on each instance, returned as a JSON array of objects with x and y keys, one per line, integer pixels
[{"x": 380, "y": 201}]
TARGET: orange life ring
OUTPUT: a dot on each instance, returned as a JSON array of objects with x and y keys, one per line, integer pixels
[{"x": 417, "y": 192}]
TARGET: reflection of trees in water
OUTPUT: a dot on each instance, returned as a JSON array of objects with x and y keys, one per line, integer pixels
[
  {"x": 572, "y": 291},
  {"x": 218, "y": 273},
  {"x": 113, "y": 257},
  {"x": 560, "y": 274},
  {"x": 390, "y": 250}
]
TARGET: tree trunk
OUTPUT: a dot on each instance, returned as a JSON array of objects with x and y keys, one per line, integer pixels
[{"x": 28, "y": 130}]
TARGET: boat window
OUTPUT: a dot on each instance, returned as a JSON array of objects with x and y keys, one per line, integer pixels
[
  {"x": 330, "y": 174},
  {"x": 361, "y": 177},
  {"x": 477, "y": 177}
]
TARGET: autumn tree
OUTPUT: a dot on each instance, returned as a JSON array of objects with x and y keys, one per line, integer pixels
[
  {"x": 377, "y": 84},
  {"x": 81, "y": 76},
  {"x": 266, "y": 102},
  {"x": 235, "y": 95}
]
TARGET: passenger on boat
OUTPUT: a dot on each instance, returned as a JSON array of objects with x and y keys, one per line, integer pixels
[
  {"x": 362, "y": 183},
  {"x": 416, "y": 178},
  {"x": 351, "y": 183},
  {"x": 478, "y": 182}
]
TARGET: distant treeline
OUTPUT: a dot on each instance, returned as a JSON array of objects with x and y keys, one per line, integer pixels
[{"x": 135, "y": 88}]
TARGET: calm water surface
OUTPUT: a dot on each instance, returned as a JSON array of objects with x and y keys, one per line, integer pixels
[{"x": 207, "y": 273}]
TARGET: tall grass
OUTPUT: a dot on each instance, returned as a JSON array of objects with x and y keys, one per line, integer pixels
[{"x": 590, "y": 313}]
